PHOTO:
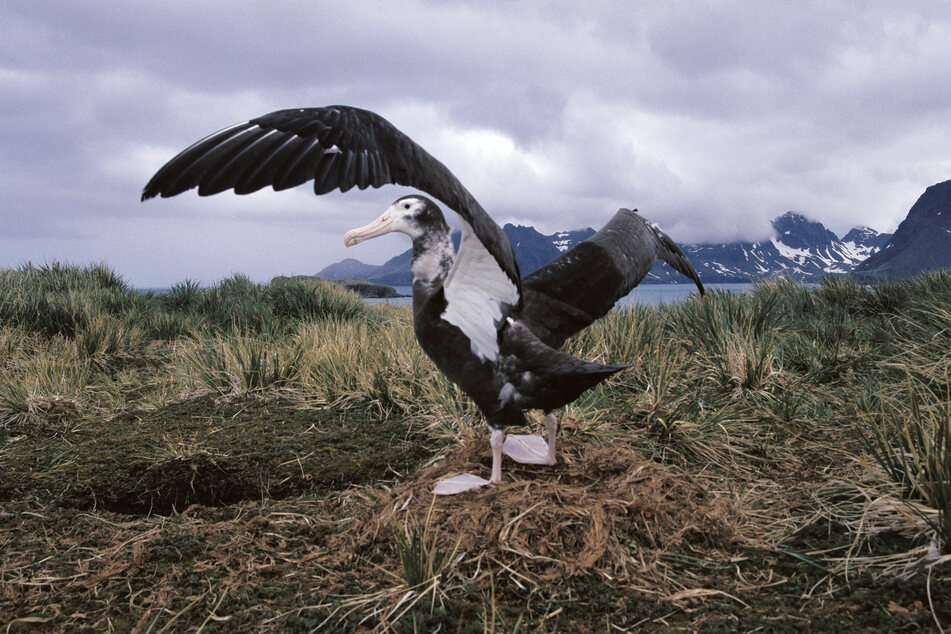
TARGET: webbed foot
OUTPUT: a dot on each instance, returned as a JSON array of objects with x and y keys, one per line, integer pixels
[
  {"x": 528, "y": 449},
  {"x": 459, "y": 484}
]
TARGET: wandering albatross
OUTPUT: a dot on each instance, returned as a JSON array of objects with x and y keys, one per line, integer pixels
[{"x": 493, "y": 332}]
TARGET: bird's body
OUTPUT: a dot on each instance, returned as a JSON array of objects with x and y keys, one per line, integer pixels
[
  {"x": 515, "y": 371},
  {"x": 492, "y": 332}
]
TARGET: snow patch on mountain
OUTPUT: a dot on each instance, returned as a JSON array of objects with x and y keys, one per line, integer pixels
[{"x": 796, "y": 255}]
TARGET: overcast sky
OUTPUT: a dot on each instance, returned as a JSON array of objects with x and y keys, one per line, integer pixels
[{"x": 712, "y": 118}]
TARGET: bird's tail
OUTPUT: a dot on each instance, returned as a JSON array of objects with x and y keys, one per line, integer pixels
[
  {"x": 543, "y": 377},
  {"x": 569, "y": 385}
]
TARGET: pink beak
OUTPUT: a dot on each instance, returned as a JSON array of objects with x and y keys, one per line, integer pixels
[{"x": 376, "y": 228}]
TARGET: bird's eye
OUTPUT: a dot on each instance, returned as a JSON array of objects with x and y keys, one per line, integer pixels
[{"x": 405, "y": 205}]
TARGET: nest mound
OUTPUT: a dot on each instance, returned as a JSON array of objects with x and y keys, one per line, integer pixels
[{"x": 599, "y": 509}]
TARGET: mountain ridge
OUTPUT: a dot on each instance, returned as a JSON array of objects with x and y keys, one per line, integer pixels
[
  {"x": 802, "y": 248},
  {"x": 921, "y": 243},
  {"x": 532, "y": 250}
]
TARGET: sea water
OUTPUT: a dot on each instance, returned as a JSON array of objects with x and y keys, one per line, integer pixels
[{"x": 645, "y": 294}]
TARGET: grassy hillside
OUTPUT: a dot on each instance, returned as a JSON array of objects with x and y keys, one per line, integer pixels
[
  {"x": 362, "y": 288},
  {"x": 261, "y": 457}
]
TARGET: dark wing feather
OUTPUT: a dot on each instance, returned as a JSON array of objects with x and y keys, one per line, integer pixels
[
  {"x": 582, "y": 285},
  {"x": 274, "y": 162},
  {"x": 338, "y": 147}
]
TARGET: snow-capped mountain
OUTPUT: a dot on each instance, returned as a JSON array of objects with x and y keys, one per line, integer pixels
[
  {"x": 534, "y": 250},
  {"x": 802, "y": 248},
  {"x": 799, "y": 247},
  {"x": 862, "y": 242},
  {"x": 564, "y": 240}
]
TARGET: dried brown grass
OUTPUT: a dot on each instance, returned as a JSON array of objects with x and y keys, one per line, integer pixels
[{"x": 599, "y": 510}]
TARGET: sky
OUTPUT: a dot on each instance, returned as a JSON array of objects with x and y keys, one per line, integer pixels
[{"x": 711, "y": 118}]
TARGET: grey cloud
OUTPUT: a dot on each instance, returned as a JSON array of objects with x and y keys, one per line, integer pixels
[{"x": 711, "y": 117}]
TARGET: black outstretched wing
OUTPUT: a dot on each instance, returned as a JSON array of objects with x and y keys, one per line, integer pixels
[
  {"x": 338, "y": 147},
  {"x": 582, "y": 285}
]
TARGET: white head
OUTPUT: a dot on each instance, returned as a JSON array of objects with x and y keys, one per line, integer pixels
[{"x": 412, "y": 215}]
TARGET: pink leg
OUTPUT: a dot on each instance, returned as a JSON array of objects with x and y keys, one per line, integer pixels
[
  {"x": 497, "y": 439},
  {"x": 551, "y": 424},
  {"x": 468, "y": 481}
]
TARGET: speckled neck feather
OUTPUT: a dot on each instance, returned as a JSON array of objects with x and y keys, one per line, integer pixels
[{"x": 432, "y": 258}]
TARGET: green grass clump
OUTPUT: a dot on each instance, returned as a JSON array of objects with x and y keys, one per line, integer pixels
[
  {"x": 422, "y": 558},
  {"x": 240, "y": 363},
  {"x": 734, "y": 338},
  {"x": 59, "y": 299},
  {"x": 236, "y": 303},
  {"x": 43, "y": 385},
  {"x": 88, "y": 302},
  {"x": 912, "y": 443}
]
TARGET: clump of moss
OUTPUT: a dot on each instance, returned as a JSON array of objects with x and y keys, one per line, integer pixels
[{"x": 200, "y": 451}]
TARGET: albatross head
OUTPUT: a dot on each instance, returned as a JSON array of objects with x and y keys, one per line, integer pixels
[{"x": 416, "y": 216}]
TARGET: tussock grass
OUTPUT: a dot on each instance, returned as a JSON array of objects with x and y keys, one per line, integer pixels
[
  {"x": 62, "y": 299},
  {"x": 809, "y": 425},
  {"x": 76, "y": 341},
  {"x": 422, "y": 558},
  {"x": 733, "y": 338},
  {"x": 43, "y": 386},
  {"x": 58, "y": 299},
  {"x": 240, "y": 364},
  {"x": 910, "y": 440}
]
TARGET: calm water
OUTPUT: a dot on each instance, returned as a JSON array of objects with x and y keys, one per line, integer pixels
[
  {"x": 654, "y": 294},
  {"x": 648, "y": 294}
]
